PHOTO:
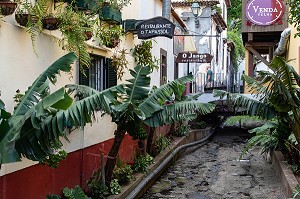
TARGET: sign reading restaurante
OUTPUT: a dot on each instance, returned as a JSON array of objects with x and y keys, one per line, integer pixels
[
  {"x": 155, "y": 27},
  {"x": 190, "y": 57},
  {"x": 264, "y": 12}
]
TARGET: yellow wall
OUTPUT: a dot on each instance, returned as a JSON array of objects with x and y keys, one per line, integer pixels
[{"x": 293, "y": 50}]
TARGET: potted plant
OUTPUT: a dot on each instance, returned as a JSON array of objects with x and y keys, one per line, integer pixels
[
  {"x": 110, "y": 10},
  {"x": 22, "y": 16},
  {"x": 7, "y": 7},
  {"x": 76, "y": 28},
  {"x": 109, "y": 34},
  {"x": 80, "y": 4}
]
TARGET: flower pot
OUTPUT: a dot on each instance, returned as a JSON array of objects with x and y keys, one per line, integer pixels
[
  {"x": 7, "y": 7},
  {"x": 50, "y": 23},
  {"x": 108, "y": 13},
  {"x": 23, "y": 19},
  {"x": 113, "y": 43},
  {"x": 88, "y": 34}
]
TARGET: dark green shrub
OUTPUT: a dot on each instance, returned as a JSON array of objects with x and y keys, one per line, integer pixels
[
  {"x": 123, "y": 173},
  {"x": 142, "y": 162}
]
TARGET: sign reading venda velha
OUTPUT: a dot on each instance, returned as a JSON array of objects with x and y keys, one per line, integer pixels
[
  {"x": 264, "y": 12},
  {"x": 155, "y": 27}
]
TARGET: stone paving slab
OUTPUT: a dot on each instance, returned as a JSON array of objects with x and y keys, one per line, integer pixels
[{"x": 215, "y": 172}]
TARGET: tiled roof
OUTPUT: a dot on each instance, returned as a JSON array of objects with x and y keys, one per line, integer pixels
[
  {"x": 185, "y": 3},
  {"x": 219, "y": 20}
]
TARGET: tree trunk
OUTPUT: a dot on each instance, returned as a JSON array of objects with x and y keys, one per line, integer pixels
[
  {"x": 111, "y": 160},
  {"x": 150, "y": 139}
]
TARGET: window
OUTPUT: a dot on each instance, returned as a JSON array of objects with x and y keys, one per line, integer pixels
[{"x": 100, "y": 75}]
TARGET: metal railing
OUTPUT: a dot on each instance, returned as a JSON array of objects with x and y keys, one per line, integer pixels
[{"x": 230, "y": 82}]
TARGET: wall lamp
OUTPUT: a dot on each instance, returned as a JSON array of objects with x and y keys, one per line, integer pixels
[{"x": 196, "y": 11}]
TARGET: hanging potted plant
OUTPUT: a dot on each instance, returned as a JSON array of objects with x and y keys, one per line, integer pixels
[
  {"x": 7, "y": 7},
  {"x": 109, "y": 35},
  {"x": 22, "y": 16},
  {"x": 110, "y": 10},
  {"x": 76, "y": 28}
]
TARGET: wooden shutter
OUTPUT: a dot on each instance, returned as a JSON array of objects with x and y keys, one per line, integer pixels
[{"x": 111, "y": 74}]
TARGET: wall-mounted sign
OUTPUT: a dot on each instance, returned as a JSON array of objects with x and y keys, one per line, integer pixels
[
  {"x": 155, "y": 27},
  {"x": 189, "y": 57},
  {"x": 264, "y": 12}
]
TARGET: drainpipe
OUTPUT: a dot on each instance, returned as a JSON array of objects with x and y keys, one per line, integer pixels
[
  {"x": 135, "y": 193},
  {"x": 166, "y": 11},
  {"x": 285, "y": 36}
]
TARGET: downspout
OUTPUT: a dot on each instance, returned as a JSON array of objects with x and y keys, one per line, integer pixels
[
  {"x": 285, "y": 36},
  {"x": 166, "y": 11},
  {"x": 135, "y": 193}
]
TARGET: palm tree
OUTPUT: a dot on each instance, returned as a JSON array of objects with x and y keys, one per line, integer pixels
[{"x": 278, "y": 95}]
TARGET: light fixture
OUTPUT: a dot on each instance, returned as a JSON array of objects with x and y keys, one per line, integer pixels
[{"x": 195, "y": 9}]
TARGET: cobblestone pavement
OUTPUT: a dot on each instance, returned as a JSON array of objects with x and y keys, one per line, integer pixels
[{"x": 213, "y": 171}]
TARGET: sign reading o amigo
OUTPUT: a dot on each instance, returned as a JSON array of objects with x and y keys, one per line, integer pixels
[{"x": 264, "y": 12}]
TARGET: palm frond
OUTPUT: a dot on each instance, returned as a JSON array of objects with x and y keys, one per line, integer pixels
[
  {"x": 177, "y": 112},
  {"x": 162, "y": 94}
]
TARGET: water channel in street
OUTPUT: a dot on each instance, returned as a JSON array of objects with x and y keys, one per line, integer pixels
[{"x": 214, "y": 171}]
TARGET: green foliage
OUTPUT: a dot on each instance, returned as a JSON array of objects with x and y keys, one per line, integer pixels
[
  {"x": 123, "y": 173},
  {"x": 266, "y": 136},
  {"x": 296, "y": 192},
  {"x": 97, "y": 188},
  {"x": 294, "y": 17},
  {"x": 119, "y": 63},
  {"x": 136, "y": 130},
  {"x": 118, "y": 4},
  {"x": 53, "y": 160},
  {"x": 143, "y": 56},
  {"x": 238, "y": 53},
  {"x": 161, "y": 143},
  {"x": 75, "y": 193},
  {"x": 109, "y": 34},
  {"x": 142, "y": 162},
  {"x": 73, "y": 26},
  {"x": 53, "y": 196},
  {"x": 234, "y": 15},
  {"x": 115, "y": 187},
  {"x": 240, "y": 119},
  {"x": 182, "y": 130}
]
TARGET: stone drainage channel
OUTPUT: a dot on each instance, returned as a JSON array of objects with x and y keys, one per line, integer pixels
[{"x": 214, "y": 171}]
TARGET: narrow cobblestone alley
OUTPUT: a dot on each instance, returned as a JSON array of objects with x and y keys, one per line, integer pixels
[{"x": 213, "y": 171}]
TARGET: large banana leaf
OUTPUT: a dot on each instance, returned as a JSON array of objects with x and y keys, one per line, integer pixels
[
  {"x": 25, "y": 109},
  {"x": 164, "y": 93},
  {"x": 137, "y": 90},
  {"x": 252, "y": 106},
  {"x": 38, "y": 138},
  {"x": 177, "y": 112}
]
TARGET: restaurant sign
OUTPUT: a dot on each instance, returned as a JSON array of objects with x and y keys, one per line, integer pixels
[
  {"x": 190, "y": 57},
  {"x": 264, "y": 12},
  {"x": 155, "y": 27}
]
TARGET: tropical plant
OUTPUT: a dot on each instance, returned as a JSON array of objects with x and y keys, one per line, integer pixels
[
  {"x": 74, "y": 25},
  {"x": 109, "y": 34},
  {"x": 123, "y": 173},
  {"x": 294, "y": 17},
  {"x": 181, "y": 130},
  {"x": 238, "y": 53},
  {"x": 161, "y": 143},
  {"x": 296, "y": 192},
  {"x": 75, "y": 193},
  {"x": 118, "y": 4},
  {"x": 119, "y": 62},
  {"x": 143, "y": 56},
  {"x": 278, "y": 96},
  {"x": 142, "y": 162},
  {"x": 53, "y": 160},
  {"x": 115, "y": 187},
  {"x": 98, "y": 190}
]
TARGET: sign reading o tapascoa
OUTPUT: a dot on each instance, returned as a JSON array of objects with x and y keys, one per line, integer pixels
[{"x": 264, "y": 12}]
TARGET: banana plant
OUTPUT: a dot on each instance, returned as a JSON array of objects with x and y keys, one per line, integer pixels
[
  {"x": 137, "y": 105},
  {"x": 277, "y": 92}
]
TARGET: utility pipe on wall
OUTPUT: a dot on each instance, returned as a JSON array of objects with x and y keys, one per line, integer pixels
[{"x": 166, "y": 11}]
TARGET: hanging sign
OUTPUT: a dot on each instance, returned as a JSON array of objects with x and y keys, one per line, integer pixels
[
  {"x": 190, "y": 57},
  {"x": 264, "y": 12},
  {"x": 155, "y": 27}
]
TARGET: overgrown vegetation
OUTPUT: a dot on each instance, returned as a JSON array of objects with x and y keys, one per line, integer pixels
[{"x": 142, "y": 162}]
